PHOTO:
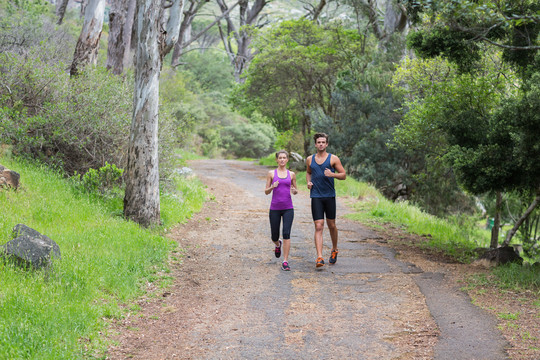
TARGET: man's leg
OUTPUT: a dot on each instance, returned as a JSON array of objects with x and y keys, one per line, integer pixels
[
  {"x": 333, "y": 232},
  {"x": 319, "y": 226}
]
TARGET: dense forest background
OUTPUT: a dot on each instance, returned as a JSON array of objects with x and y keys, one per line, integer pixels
[{"x": 435, "y": 103}]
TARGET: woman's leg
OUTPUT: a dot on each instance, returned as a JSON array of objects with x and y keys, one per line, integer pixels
[
  {"x": 275, "y": 223},
  {"x": 288, "y": 217}
]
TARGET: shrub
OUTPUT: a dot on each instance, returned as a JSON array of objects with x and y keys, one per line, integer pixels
[
  {"x": 103, "y": 179},
  {"x": 248, "y": 140}
]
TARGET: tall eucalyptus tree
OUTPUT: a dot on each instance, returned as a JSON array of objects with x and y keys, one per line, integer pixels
[
  {"x": 141, "y": 200},
  {"x": 86, "y": 50}
]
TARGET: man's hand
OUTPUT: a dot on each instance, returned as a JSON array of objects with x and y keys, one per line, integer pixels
[
  {"x": 309, "y": 185},
  {"x": 328, "y": 173}
]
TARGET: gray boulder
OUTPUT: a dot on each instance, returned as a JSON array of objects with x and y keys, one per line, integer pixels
[
  {"x": 9, "y": 179},
  {"x": 297, "y": 162},
  {"x": 29, "y": 247}
]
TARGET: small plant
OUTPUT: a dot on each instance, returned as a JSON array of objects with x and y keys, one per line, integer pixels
[
  {"x": 508, "y": 316},
  {"x": 103, "y": 179}
]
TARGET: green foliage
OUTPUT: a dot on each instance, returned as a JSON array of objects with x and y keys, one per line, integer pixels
[
  {"x": 81, "y": 122},
  {"x": 443, "y": 41},
  {"x": 106, "y": 263},
  {"x": 289, "y": 140},
  {"x": 248, "y": 140},
  {"x": 212, "y": 71},
  {"x": 518, "y": 278},
  {"x": 295, "y": 70},
  {"x": 455, "y": 28},
  {"x": 101, "y": 180}
]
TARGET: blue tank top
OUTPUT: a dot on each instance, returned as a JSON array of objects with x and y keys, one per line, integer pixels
[
  {"x": 281, "y": 196},
  {"x": 323, "y": 186}
]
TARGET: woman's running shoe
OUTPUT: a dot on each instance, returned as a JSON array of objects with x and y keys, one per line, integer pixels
[
  {"x": 320, "y": 262},
  {"x": 277, "y": 251},
  {"x": 285, "y": 266}
]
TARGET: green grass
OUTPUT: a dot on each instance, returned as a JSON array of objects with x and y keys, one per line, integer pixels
[
  {"x": 517, "y": 278},
  {"x": 106, "y": 261}
]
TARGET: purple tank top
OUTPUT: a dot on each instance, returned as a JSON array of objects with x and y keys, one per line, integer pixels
[{"x": 281, "y": 196}]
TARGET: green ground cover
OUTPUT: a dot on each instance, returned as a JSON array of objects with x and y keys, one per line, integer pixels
[{"x": 106, "y": 262}]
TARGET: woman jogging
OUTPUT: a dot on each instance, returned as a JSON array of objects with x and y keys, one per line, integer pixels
[{"x": 281, "y": 183}]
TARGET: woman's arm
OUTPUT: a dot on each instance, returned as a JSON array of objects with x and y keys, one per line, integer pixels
[{"x": 269, "y": 185}]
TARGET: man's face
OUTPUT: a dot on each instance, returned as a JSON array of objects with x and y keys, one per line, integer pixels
[{"x": 321, "y": 143}]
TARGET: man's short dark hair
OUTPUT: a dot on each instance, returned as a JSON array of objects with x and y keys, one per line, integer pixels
[{"x": 319, "y": 135}]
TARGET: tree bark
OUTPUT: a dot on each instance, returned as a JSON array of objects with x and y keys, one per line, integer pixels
[
  {"x": 496, "y": 222},
  {"x": 61, "y": 7},
  {"x": 87, "y": 47},
  {"x": 520, "y": 221},
  {"x": 141, "y": 200},
  {"x": 128, "y": 34},
  {"x": 117, "y": 36}
]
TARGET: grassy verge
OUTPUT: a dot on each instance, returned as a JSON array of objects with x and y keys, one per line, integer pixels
[{"x": 106, "y": 261}]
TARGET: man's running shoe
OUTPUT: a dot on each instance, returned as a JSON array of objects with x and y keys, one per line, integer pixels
[
  {"x": 333, "y": 257},
  {"x": 285, "y": 266},
  {"x": 320, "y": 262},
  {"x": 277, "y": 251}
]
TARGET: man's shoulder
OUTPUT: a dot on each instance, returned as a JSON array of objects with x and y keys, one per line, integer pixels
[
  {"x": 334, "y": 159},
  {"x": 308, "y": 159}
]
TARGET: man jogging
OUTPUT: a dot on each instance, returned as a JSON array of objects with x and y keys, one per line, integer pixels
[{"x": 321, "y": 170}]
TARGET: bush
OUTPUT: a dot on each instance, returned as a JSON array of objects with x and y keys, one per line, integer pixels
[
  {"x": 248, "y": 140},
  {"x": 103, "y": 179},
  {"x": 75, "y": 124}
]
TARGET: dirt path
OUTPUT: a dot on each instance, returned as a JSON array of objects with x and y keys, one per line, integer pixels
[{"x": 230, "y": 300}]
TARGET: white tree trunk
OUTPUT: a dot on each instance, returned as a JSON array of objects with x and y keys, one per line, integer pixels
[
  {"x": 87, "y": 47},
  {"x": 128, "y": 34},
  {"x": 61, "y": 10},
  {"x": 141, "y": 201},
  {"x": 117, "y": 36}
]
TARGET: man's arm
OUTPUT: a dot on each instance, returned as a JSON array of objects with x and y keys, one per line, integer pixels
[
  {"x": 340, "y": 170},
  {"x": 308, "y": 172}
]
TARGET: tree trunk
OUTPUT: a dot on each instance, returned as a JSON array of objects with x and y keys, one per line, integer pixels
[
  {"x": 61, "y": 7},
  {"x": 395, "y": 18},
  {"x": 87, "y": 47},
  {"x": 141, "y": 200},
  {"x": 117, "y": 42},
  {"x": 520, "y": 221},
  {"x": 128, "y": 34},
  {"x": 248, "y": 17},
  {"x": 497, "y": 222}
]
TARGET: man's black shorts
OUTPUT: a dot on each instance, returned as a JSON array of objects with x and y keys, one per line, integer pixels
[{"x": 322, "y": 206}]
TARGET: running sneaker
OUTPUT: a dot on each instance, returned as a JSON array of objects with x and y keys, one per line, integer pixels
[
  {"x": 333, "y": 257},
  {"x": 285, "y": 266},
  {"x": 320, "y": 262},
  {"x": 277, "y": 251}
]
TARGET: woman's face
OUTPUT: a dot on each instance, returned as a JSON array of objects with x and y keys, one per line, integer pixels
[{"x": 282, "y": 159}]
